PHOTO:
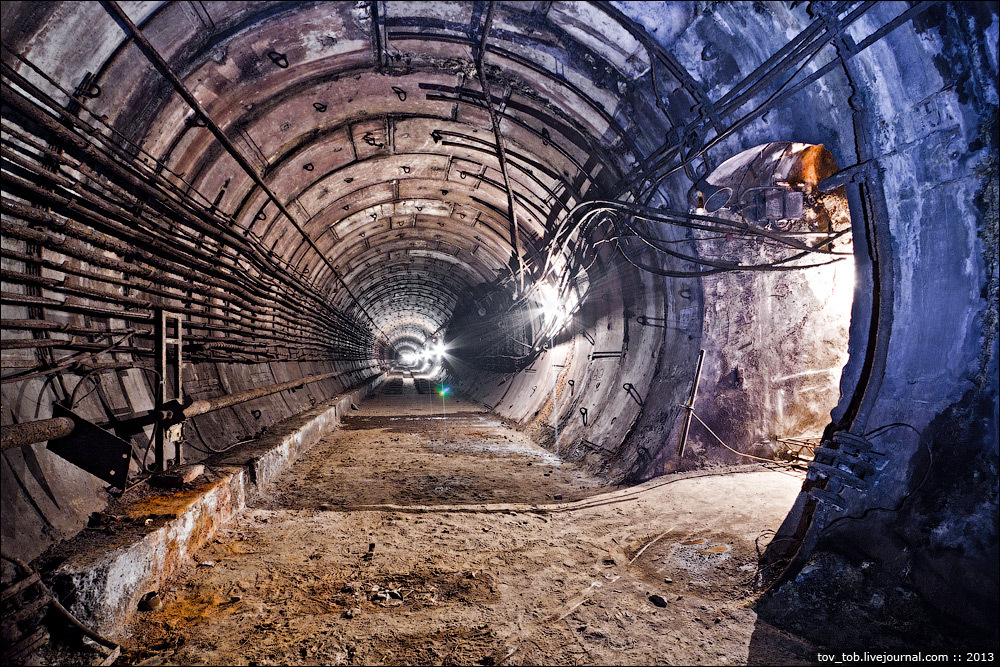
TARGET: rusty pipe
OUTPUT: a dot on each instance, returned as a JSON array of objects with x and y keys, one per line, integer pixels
[
  {"x": 19, "y": 435},
  {"x": 212, "y": 404}
]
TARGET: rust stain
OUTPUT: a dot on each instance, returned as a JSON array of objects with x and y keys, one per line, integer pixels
[
  {"x": 697, "y": 540},
  {"x": 171, "y": 504},
  {"x": 197, "y": 607},
  {"x": 717, "y": 549},
  {"x": 814, "y": 164}
]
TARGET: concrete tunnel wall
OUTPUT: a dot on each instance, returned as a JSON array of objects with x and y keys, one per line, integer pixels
[{"x": 368, "y": 122}]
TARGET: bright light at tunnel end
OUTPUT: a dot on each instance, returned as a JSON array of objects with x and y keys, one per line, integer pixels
[
  {"x": 554, "y": 310},
  {"x": 434, "y": 352}
]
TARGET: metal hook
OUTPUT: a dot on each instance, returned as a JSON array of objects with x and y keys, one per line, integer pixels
[
  {"x": 632, "y": 392},
  {"x": 279, "y": 59}
]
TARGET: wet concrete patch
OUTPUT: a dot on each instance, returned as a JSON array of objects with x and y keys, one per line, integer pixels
[{"x": 685, "y": 563}]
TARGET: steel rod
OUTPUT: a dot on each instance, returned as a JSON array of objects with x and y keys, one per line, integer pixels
[
  {"x": 19, "y": 435},
  {"x": 515, "y": 260},
  {"x": 689, "y": 406},
  {"x": 212, "y": 404}
]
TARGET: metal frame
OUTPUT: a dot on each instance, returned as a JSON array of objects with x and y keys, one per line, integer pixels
[{"x": 164, "y": 341}]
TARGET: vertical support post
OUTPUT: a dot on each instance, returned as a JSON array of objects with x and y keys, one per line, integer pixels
[
  {"x": 689, "y": 406},
  {"x": 555, "y": 405},
  {"x": 165, "y": 392}
]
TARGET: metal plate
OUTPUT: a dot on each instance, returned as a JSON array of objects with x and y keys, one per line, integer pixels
[{"x": 90, "y": 447}]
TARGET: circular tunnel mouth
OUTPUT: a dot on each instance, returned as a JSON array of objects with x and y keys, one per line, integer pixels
[
  {"x": 656, "y": 237},
  {"x": 348, "y": 187}
]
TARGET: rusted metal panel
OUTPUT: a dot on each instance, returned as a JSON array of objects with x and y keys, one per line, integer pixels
[{"x": 90, "y": 447}]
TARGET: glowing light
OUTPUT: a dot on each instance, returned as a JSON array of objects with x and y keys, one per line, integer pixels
[
  {"x": 433, "y": 354},
  {"x": 443, "y": 391},
  {"x": 548, "y": 299}
]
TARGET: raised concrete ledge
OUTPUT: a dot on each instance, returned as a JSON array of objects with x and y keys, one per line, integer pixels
[
  {"x": 269, "y": 456},
  {"x": 101, "y": 576}
]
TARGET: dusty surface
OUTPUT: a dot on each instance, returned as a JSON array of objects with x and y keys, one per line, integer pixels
[{"x": 477, "y": 563}]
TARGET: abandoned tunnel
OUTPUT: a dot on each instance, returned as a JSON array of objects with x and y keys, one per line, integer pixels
[{"x": 498, "y": 332}]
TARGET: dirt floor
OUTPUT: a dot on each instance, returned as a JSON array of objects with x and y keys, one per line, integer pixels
[{"x": 408, "y": 537}]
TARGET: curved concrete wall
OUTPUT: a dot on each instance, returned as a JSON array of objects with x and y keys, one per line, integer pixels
[{"x": 368, "y": 124}]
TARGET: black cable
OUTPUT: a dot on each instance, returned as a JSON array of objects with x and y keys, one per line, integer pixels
[{"x": 906, "y": 498}]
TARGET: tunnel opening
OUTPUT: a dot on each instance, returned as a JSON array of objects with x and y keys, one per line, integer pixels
[
  {"x": 658, "y": 238},
  {"x": 779, "y": 401}
]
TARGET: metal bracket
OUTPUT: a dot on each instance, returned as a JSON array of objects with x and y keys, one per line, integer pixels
[
  {"x": 163, "y": 341},
  {"x": 90, "y": 447}
]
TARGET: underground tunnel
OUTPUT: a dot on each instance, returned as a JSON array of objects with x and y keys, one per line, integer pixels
[{"x": 499, "y": 332}]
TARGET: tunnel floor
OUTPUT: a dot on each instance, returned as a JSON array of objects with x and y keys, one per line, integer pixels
[{"x": 405, "y": 538}]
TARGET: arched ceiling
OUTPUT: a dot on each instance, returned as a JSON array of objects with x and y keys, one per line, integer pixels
[{"x": 368, "y": 124}]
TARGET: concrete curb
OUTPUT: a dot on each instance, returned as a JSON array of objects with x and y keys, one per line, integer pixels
[{"x": 105, "y": 577}]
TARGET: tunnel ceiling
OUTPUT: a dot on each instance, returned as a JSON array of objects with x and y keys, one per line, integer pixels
[
  {"x": 377, "y": 164},
  {"x": 368, "y": 124}
]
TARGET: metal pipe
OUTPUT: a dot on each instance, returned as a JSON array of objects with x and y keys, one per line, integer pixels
[
  {"x": 515, "y": 260},
  {"x": 212, "y": 404},
  {"x": 19, "y": 435},
  {"x": 689, "y": 406}
]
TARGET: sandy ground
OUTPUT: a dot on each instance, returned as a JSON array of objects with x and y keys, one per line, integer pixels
[{"x": 407, "y": 538}]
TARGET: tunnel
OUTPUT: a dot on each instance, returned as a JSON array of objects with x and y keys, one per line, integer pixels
[{"x": 720, "y": 275}]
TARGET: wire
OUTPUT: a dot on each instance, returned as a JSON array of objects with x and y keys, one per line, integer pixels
[
  {"x": 906, "y": 498},
  {"x": 152, "y": 436},
  {"x": 749, "y": 456},
  {"x": 88, "y": 376}
]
